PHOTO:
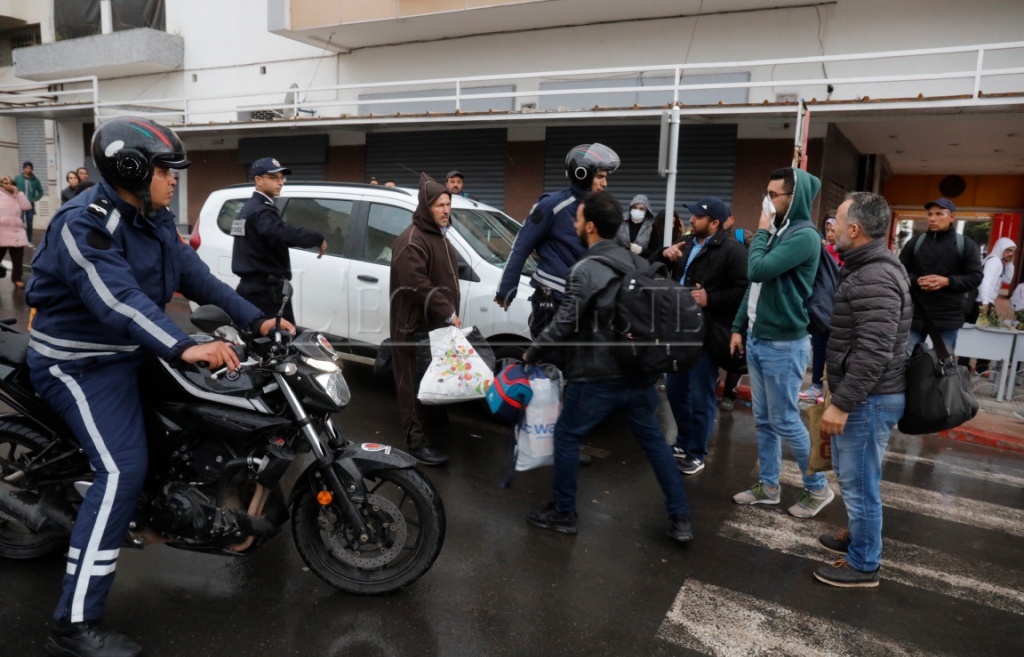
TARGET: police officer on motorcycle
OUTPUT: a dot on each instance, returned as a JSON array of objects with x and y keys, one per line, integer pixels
[{"x": 109, "y": 263}]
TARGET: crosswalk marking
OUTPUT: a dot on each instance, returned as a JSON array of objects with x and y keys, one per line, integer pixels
[
  {"x": 931, "y": 503},
  {"x": 909, "y": 564},
  {"x": 962, "y": 471},
  {"x": 715, "y": 621}
]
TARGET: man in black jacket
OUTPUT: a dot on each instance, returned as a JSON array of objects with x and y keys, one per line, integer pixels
[
  {"x": 867, "y": 361},
  {"x": 262, "y": 240},
  {"x": 597, "y": 386},
  {"x": 716, "y": 267},
  {"x": 944, "y": 267}
]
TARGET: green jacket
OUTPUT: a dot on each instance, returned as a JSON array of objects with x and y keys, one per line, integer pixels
[
  {"x": 30, "y": 187},
  {"x": 781, "y": 268}
]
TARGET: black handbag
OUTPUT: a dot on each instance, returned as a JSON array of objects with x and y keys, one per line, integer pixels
[{"x": 939, "y": 395}]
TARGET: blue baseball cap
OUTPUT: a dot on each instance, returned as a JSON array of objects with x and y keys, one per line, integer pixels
[
  {"x": 709, "y": 206},
  {"x": 267, "y": 165},
  {"x": 944, "y": 203}
]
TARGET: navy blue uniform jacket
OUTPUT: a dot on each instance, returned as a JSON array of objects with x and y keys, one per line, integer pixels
[
  {"x": 262, "y": 241},
  {"x": 102, "y": 276}
]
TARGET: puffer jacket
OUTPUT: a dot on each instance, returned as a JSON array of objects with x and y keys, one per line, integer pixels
[
  {"x": 12, "y": 228},
  {"x": 867, "y": 345},
  {"x": 585, "y": 317}
]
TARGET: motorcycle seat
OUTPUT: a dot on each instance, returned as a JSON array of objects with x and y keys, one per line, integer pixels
[{"x": 13, "y": 347}]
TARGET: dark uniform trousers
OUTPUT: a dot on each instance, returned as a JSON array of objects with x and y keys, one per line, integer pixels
[
  {"x": 261, "y": 294},
  {"x": 98, "y": 398}
]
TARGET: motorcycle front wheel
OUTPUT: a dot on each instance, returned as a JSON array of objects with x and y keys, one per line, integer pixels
[
  {"x": 19, "y": 445},
  {"x": 405, "y": 519}
]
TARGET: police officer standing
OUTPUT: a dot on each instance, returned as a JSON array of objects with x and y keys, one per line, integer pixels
[{"x": 262, "y": 239}]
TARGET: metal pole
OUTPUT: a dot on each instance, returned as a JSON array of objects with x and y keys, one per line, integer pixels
[{"x": 670, "y": 184}]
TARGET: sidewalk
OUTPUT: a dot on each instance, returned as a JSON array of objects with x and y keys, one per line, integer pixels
[{"x": 994, "y": 426}]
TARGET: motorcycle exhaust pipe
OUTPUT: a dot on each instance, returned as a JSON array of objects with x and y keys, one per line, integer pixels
[{"x": 35, "y": 512}]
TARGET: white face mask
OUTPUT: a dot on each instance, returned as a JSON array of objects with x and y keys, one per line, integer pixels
[{"x": 637, "y": 215}]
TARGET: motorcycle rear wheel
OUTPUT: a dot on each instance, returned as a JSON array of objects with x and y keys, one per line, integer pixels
[
  {"x": 18, "y": 445},
  {"x": 407, "y": 518}
]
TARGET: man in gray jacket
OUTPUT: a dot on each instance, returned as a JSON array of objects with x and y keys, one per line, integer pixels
[{"x": 866, "y": 360}]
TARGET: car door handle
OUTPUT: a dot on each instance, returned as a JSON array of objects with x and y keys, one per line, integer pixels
[{"x": 368, "y": 279}]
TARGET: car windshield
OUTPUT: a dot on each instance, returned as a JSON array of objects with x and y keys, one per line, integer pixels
[{"x": 491, "y": 234}]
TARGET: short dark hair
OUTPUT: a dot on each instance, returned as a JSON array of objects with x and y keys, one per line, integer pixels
[
  {"x": 870, "y": 212},
  {"x": 601, "y": 209},
  {"x": 787, "y": 177},
  {"x": 81, "y": 168}
]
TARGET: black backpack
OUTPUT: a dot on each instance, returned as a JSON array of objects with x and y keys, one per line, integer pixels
[
  {"x": 660, "y": 326},
  {"x": 823, "y": 293}
]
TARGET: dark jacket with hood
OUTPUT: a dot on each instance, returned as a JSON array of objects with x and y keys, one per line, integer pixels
[
  {"x": 867, "y": 344},
  {"x": 720, "y": 268},
  {"x": 586, "y": 315},
  {"x": 940, "y": 255},
  {"x": 424, "y": 271},
  {"x": 781, "y": 268}
]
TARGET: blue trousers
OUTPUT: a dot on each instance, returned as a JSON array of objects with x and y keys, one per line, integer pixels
[
  {"x": 691, "y": 396},
  {"x": 99, "y": 400},
  {"x": 587, "y": 404}
]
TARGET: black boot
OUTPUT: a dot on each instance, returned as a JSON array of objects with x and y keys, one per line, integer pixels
[{"x": 89, "y": 639}]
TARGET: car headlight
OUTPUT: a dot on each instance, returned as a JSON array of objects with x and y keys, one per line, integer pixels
[
  {"x": 321, "y": 365},
  {"x": 336, "y": 387}
]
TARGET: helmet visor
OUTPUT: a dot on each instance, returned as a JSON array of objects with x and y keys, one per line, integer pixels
[
  {"x": 170, "y": 161},
  {"x": 595, "y": 157}
]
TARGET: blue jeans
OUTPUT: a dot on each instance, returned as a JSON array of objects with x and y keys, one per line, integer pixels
[
  {"x": 28, "y": 216},
  {"x": 587, "y": 404},
  {"x": 857, "y": 454},
  {"x": 776, "y": 369},
  {"x": 916, "y": 337},
  {"x": 691, "y": 396}
]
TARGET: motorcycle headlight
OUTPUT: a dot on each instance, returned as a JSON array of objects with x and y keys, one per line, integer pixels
[
  {"x": 321, "y": 365},
  {"x": 335, "y": 386}
]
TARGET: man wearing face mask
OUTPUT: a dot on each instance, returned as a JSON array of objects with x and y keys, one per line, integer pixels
[
  {"x": 781, "y": 267},
  {"x": 638, "y": 232}
]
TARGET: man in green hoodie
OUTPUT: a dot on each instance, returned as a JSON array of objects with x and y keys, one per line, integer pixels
[{"x": 781, "y": 267}]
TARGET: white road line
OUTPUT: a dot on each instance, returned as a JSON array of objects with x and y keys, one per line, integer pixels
[
  {"x": 715, "y": 621},
  {"x": 931, "y": 503},
  {"x": 977, "y": 472},
  {"x": 913, "y": 565}
]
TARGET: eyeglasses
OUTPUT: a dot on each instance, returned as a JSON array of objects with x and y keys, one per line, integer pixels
[{"x": 775, "y": 195}]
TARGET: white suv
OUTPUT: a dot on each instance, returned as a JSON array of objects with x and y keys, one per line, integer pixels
[{"x": 346, "y": 294}]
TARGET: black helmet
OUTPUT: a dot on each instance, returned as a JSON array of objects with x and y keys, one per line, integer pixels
[
  {"x": 585, "y": 160},
  {"x": 125, "y": 150}
]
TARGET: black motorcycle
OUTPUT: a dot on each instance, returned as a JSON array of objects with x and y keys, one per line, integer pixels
[{"x": 220, "y": 444}]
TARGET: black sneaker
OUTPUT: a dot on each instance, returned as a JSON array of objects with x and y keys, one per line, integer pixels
[
  {"x": 838, "y": 542},
  {"x": 845, "y": 576},
  {"x": 90, "y": 639},
  {"x": 548, "y": 518},
  {"x": 690, "y": 466},
  {"x": 679, "y": 529},
  {"x": 430, "y": 456},
  {"x": 725, "y": 405}
]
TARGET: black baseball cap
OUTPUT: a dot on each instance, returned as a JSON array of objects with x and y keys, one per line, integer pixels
[
  {"x": 944, "y": 203},
  {"x": 268, "y": 165},
  {"x": 710, "y": 206},
  {"x": 453, "y": 173}
]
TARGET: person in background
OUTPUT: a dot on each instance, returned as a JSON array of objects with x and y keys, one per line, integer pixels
[
  {"x": 597, "y": 387},
  {"x": 658, "y": 232},
  {"x": 867, "y": 358},
  {"x": 943, "y": 267},
  {"x": 830, "y": 237},
  {"x": 389, "y": 183},
  {"x": 83, "y": 179},
  {"x": 455, "y": 182},
  {"x": 28, "y": 184},
  {"x": 374, "y": 181},
  {"x": 13, "y": 203},
  {"x": 71, "y": 191},
  {"x": 637, "y": 233},
  {"x": 814, "y": 394},
  {"x": 997, "y": 268}
]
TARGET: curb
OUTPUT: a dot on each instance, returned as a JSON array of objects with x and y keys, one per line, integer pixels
[{"x": 965, "y": 433}]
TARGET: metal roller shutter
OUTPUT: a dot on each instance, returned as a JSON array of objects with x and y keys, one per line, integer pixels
[
  {"x": 32, "y": 148},
  {"x": 478, "y": 154},
  {"x": 305, "y": 155},
  {"x": 707, "y": 160}
]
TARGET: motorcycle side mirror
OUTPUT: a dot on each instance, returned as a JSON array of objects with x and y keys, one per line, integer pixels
[{"x": 210, "y": 318}]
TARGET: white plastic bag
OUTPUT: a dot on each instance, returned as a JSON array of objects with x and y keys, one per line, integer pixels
[
  {"x": 456, "y": 373},
  {"x": 535, "y": 434}
]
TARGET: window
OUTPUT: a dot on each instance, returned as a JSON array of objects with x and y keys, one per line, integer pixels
[
  {"x": 20, "y": 38},
  {"x": 81, "y": 18},
  {"x": 491, "y": 235},
  {"x": 329, "y": 217},
  {"x": 384, "y": 225},
  {"x": 228, "y": 212}
]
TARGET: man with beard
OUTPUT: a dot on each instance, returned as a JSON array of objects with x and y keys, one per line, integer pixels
[
  {"x": 867, "y": 359},
  {"x": 715, "y": 265},
  {"x": 597, "y": 386},
  {"x": 424, "y": 297}
]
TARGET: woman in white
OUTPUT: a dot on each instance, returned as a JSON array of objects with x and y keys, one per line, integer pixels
[{"x": 998, "y": 267}]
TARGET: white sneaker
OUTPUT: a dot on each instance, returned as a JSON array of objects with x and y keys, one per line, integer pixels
[{"x": 810, "y": 504}]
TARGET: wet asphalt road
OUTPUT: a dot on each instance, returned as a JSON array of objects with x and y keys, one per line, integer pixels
[{"x": 953, "y": 573}]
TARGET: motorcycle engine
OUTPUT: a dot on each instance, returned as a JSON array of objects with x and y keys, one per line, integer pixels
[{"x": 185, "y": 512}]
